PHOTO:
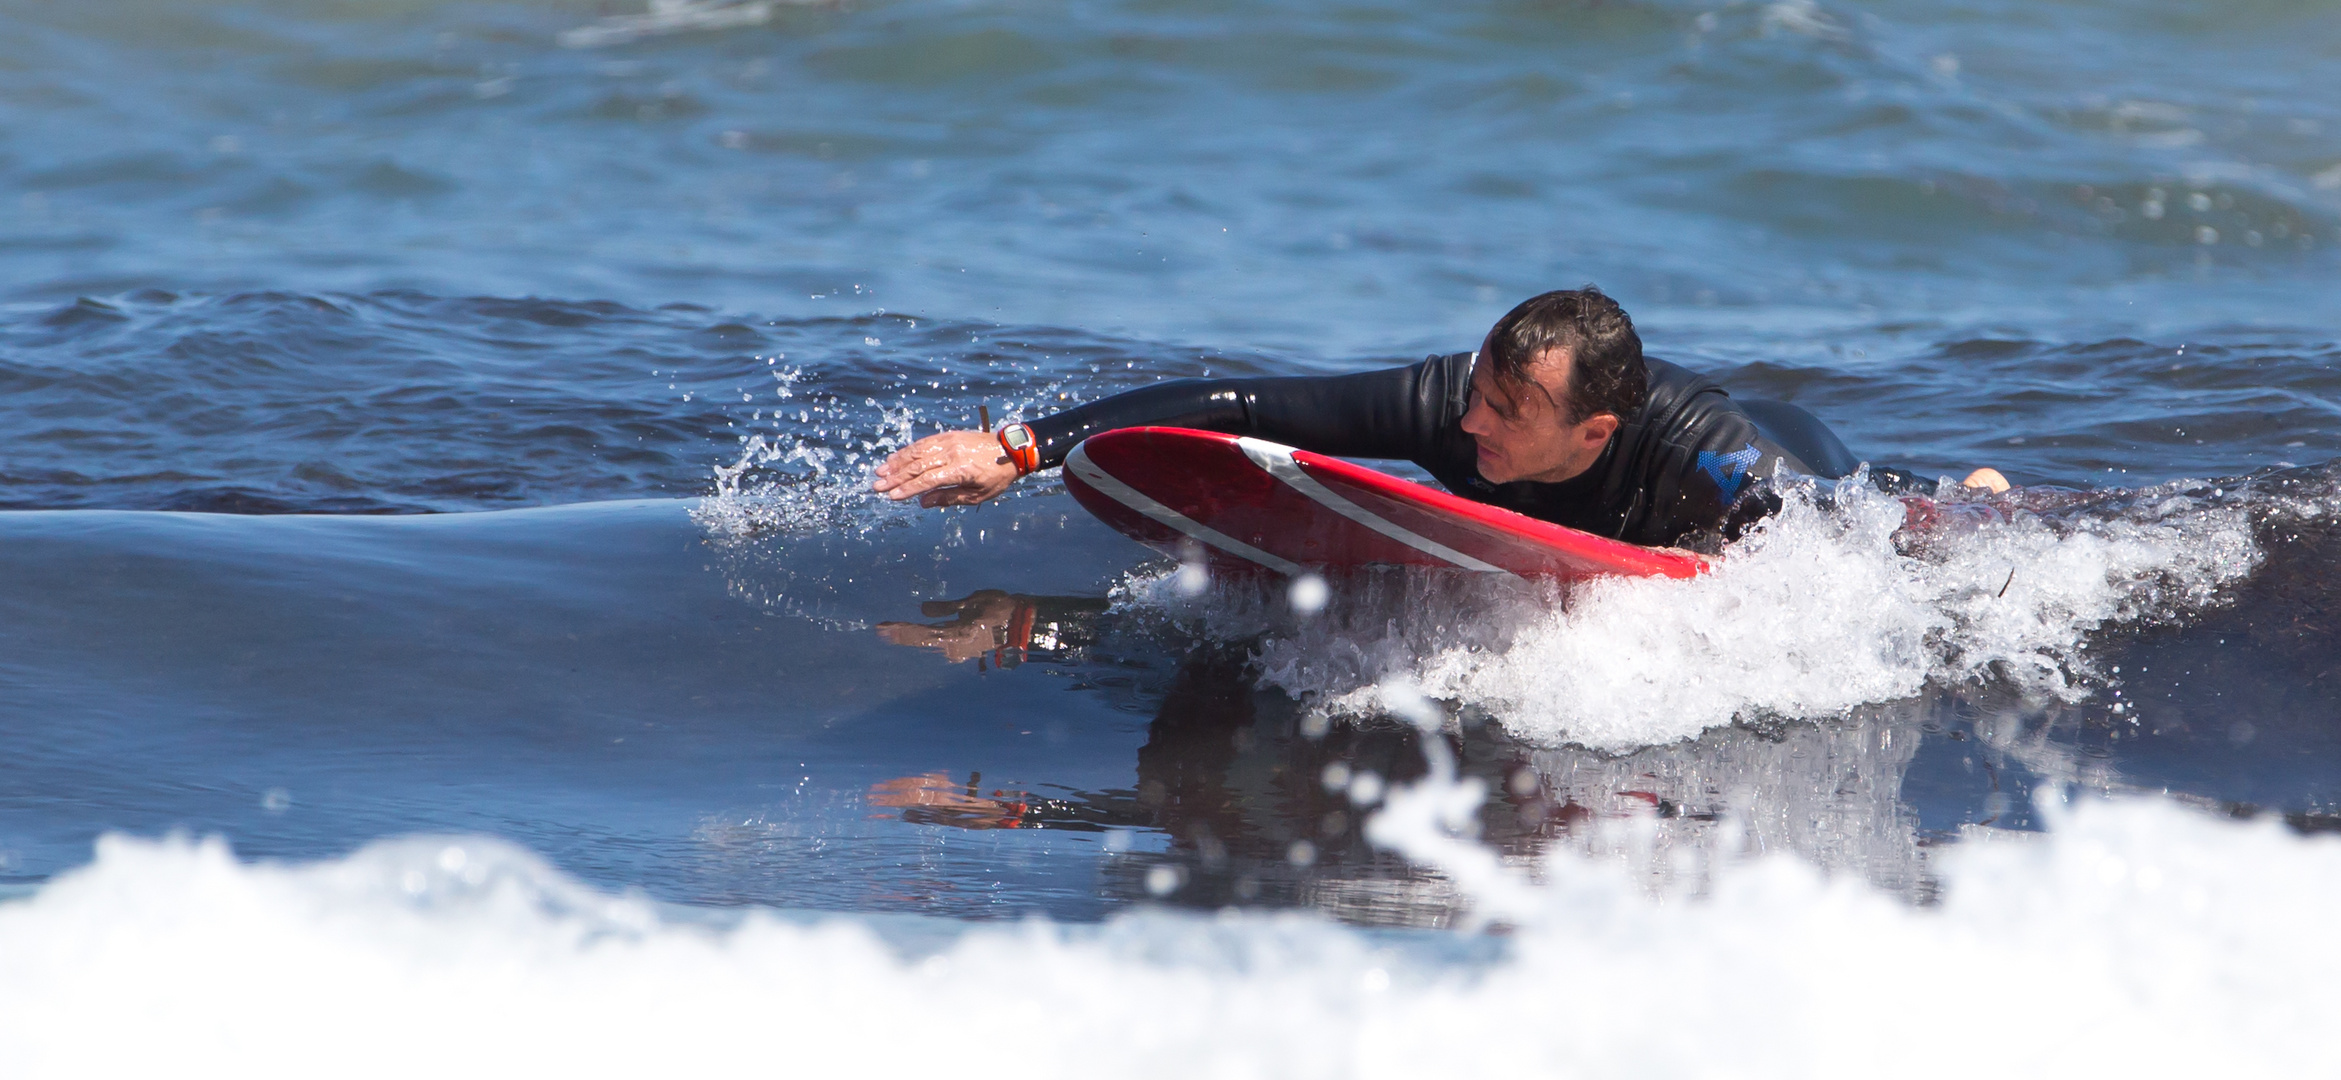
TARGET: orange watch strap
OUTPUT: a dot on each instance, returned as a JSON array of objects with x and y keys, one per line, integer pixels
[{"x": 1022, "y": 448}]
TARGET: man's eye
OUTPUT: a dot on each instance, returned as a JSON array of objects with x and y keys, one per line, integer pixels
[{"x": 1499, "y": 408}]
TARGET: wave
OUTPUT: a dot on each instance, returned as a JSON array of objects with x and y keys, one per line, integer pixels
[
  {"x": 1823, "y": 609},
  {"x": 2169, "y": 939}
]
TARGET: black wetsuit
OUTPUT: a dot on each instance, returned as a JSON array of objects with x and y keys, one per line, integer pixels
[{"x": 1682, "y": 466}]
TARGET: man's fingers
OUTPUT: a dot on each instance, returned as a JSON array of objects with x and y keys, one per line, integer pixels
[
  {"x": 911, "y": 634},
  {"x": 927, "y": 478},
  {"x": 950, "y": 469},
  {"x": 1987, "y": 479},
  {"x": 918, "y": 469},
  {"x": 905, "y": 466},
  {"x": 906, "y": 459}
]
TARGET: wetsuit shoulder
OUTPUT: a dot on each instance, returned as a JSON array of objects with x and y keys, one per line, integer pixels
[
  {"x": 1400, "y": 413},
  {"x": 1698, "y": 460}
]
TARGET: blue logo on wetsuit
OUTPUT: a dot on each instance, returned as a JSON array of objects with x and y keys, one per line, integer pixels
[{"x": 1729, "y": 469}]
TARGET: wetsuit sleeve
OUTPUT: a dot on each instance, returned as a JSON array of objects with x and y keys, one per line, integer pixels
[
  {"x": 1392, "y": 413},
  {"x": 1057, "y": 627}
]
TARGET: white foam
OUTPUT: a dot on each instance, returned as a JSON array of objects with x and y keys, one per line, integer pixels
[
  {"x": 1811, "y": 615},
  {"x": 673, "y": 17},
  {"x": 2139, "y": 937}
]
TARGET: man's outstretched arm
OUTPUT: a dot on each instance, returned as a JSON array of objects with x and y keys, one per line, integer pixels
[{"x": 1392, "y": 413}]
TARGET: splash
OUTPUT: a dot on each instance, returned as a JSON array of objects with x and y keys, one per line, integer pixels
[
  {"x": 793, "y": 486},
  {"x": 1818, "y": 612},
  {"x": 804, "y": 465}
]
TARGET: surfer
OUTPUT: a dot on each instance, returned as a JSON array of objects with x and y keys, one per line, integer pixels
[{"x": 1558, "y": 416}]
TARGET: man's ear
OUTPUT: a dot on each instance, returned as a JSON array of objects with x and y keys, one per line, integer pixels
[{"x": 1598, "y": 427}]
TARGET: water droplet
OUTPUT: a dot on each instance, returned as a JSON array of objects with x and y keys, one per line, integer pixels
[
  {"x": 1309, "y": 594},
  {"x": 1164, "y": 880}
]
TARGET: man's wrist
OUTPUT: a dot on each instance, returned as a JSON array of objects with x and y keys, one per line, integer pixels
[{"x": 1021, "y": 446}]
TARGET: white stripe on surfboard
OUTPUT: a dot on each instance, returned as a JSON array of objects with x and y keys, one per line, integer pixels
[
  {"x": 1079, "y": 464},
  {"x": 1279, "y": 463}
]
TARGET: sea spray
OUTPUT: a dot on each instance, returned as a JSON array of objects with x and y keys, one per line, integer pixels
[
  {"x": 806, "y": 468},
  {"x": 1823, "y": 608}
]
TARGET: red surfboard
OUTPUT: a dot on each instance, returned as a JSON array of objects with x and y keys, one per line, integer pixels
[{"x": 1253, "y": 505}]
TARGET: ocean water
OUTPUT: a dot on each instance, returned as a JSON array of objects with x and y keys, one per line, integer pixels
[{"x": 441, "y": 609}]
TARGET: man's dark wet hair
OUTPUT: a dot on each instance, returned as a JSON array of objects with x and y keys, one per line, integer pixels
[{"x": 1606, "y": 373}]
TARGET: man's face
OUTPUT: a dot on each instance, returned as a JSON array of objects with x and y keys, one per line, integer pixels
[{"x": 1519, "y": 425}]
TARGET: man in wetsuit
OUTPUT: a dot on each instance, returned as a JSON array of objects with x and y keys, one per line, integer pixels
[{"x": 1558, "y": 416}]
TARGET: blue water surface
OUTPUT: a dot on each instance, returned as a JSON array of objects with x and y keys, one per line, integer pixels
[{"x": 362, "y": 366}]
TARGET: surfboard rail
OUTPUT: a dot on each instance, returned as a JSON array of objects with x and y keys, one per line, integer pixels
[{"x": 1250, "y": 505}]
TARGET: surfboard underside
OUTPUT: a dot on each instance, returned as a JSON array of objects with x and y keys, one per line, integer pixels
[{"x": 1250, "y": 506}]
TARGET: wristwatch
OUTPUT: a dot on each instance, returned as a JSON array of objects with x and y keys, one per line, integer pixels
[{"x": 1023, "y": 450}]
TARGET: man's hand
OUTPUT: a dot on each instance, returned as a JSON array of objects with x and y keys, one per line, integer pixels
[
  {"x": 955, "y": 468},
  {"x": 1986, "y": 479},
  {"x": 982, "y": 626},
  {"x": 935, "y": 799}
]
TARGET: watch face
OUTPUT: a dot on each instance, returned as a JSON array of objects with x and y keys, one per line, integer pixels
[{"x": 1018, "y": 438}]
